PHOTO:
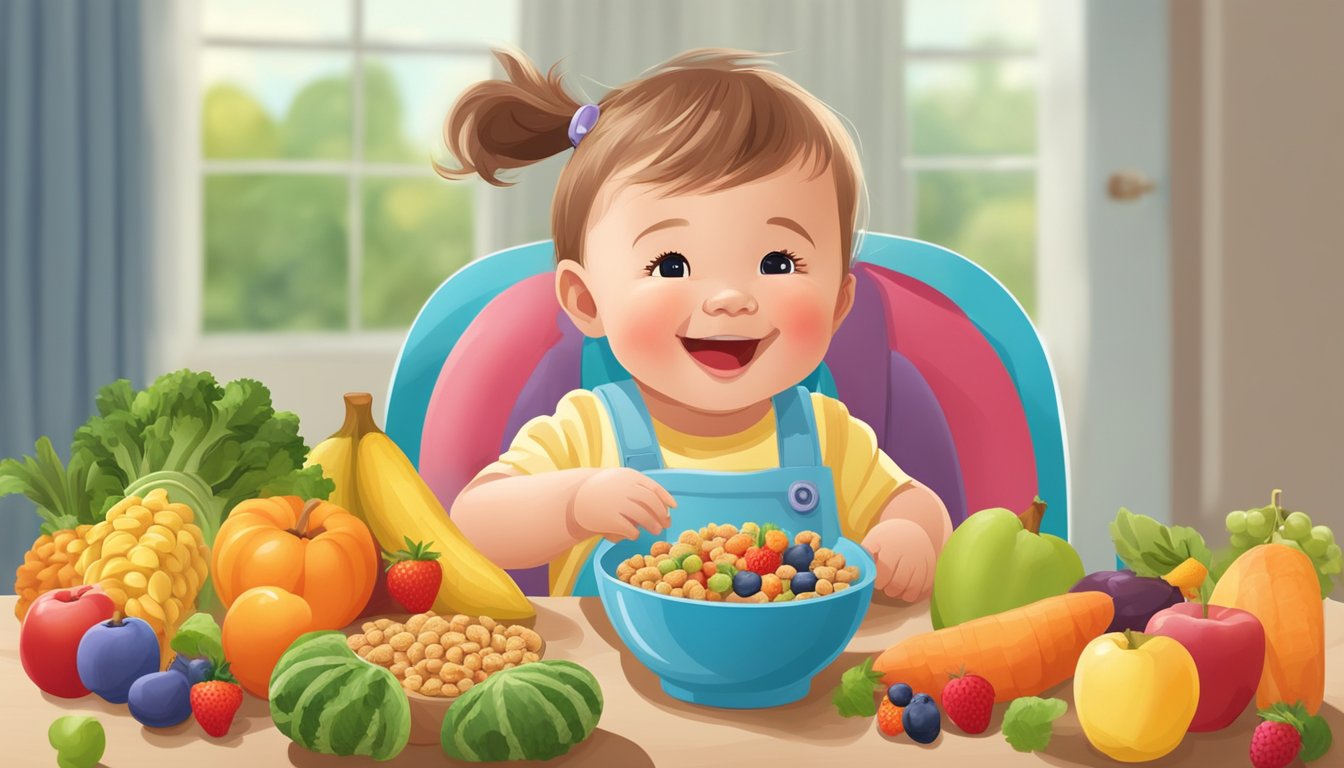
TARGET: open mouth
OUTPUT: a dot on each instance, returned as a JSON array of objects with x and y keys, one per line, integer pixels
[{"x": 723, "y": 355}]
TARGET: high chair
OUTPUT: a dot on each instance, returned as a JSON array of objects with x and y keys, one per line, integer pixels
[{"x": 936, "y": 356}]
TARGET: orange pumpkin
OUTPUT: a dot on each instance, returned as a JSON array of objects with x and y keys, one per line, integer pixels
[{"x": 317, "y": 551}]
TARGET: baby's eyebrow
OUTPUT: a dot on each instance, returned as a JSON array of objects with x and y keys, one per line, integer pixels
[
  {"x": 788, "y": 223},
  {"x": 664, "y": 224}
]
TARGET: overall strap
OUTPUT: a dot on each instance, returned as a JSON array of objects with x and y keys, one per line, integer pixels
[
  {"x": 635, "y": 439},
  {"x": 796, "y": 427}
]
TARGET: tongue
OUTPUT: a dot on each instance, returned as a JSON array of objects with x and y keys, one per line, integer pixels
[{"x": 722, "y": 355}]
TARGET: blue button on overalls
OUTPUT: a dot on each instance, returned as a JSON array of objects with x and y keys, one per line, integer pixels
[{"x": 798, "y": 495}]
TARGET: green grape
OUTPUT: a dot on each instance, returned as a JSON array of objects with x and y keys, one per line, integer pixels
[
  {"x": 1290, "y": 544},
  {"x": 1240, "y": 541},
  {"x": 1258, "y": 525},
  {"x": 1315, "y": 547},
  {"x": 1297, "y": 526},
  {"x": 1236, "y": 522},
  {"x": 1331, "y": 567},
  {"x": 1324, "y": 534},
  {"x": 1332, "y": 552}
]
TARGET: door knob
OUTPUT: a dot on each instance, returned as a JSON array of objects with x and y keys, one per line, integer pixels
[{"x": 1129, "y": 185}]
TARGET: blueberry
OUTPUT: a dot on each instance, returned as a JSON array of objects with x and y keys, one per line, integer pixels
[
  {"x": 193, "y": 668},
  {"x": 799, "y": 556},
  {"x": 746, "y": 583},
  {"x": 803, "y": 581},
  {"x": 899, "y": 694},
  {"x": 160, "y": 699},
  {"x": 922, "y": 720},
  {"x": 922, "y": 698}
]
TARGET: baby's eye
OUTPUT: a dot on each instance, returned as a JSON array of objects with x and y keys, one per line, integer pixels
[
  {"x": 670, "y": 264},
  {"x": 778, "y": 263}
]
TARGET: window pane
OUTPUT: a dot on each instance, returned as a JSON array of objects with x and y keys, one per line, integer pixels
[
  {"x": 986, "y": 216},
  {"x": 262, "y": 104},
  {"x": 275, "y": 253},
  {"x": 417, "y": 232},
  {"x": 971, "y": 108},
  {"x": 407, "y": 98},
  {"x": 475, "y": 22},
  {"x": 998, "y": 24},
  {"x": 291, "y": 19}
]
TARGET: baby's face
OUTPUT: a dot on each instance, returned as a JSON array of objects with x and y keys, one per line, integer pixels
[{"x": 719, "y": 300}]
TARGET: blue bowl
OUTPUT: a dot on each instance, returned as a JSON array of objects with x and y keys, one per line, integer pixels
[{"x": 733, "y": 655}]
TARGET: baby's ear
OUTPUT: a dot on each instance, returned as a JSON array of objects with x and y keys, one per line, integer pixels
[
  {"x": 571, "y": 290},
  {"x": 844, "y": 301}
]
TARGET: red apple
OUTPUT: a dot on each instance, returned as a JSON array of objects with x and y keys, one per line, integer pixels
[
  {"x": 1228, "y": 647},
  {"x": 50, "y": 635}
]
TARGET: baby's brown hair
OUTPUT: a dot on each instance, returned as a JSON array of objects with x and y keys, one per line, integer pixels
[{"x": 708, "y": 119}]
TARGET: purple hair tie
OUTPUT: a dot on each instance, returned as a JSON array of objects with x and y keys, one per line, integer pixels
[{"x": 584, "y": 119}]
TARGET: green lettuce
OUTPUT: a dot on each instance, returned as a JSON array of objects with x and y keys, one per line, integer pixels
[{"x": 1028, "y": 723}]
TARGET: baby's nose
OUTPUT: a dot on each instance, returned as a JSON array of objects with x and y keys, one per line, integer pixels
[{"x": 730, "y": 301}]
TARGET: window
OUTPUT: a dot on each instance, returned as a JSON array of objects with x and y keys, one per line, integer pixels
[
  {"x": 319, "y": 119},
  {"x": 970, "y": 154}
]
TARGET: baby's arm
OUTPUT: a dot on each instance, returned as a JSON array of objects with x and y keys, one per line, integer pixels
[{"x": 521, "y": 521}]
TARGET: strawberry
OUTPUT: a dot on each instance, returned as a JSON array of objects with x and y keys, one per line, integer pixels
[
  {"x": 889, "y": 718},
  {"x": 413, "y": 576},
  {"x": 762, "y": 560},
  {"x": 1274, "y": 744},
  {"x": 216, "y": 700},
  {"x": 968, "y": 701}
]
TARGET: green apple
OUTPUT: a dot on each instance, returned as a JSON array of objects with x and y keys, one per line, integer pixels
[
  {"x": 79, "y": 741},
  {"x": 996, "y": 561}
]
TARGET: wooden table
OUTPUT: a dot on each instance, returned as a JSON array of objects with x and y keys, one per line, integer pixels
[{"x": 640, "y": 725}]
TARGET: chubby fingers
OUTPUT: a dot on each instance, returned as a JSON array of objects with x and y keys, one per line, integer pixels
[
  {"x": 915, "y": 587},
  {"x": 901, "y": 576},
  {"x": 646, "y": 509}
]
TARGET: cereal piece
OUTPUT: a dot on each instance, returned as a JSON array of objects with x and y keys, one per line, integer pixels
[
  {"x": 426, "y": 638},
  {"x": 436, "y": 624},
  {"x": 839, "y": 585},
  {"x": 751, "y": 529},
  {"x": 416, "y": 624},
  {"x": 382, "y": 623},
  {"x": 660, "y": 548},
  {"x": 676, "y": 578},
  {"x": 710, "y": 530},
  {"x": 662, "y": 588},
  {"x": 472, "y": 661},
  {"x": 648, "y": 574},
  {"x": 680, "y": 551},
  {"x": 532, "y": 640},
  {"x": 690, "y": 538},
  {"x": 431, "y": 687},
  {"x": 367, "y": 626},
  {"x": 708, "y": 569},
  {"x": 694, "y": 590},
  {"x": 824, "y": 587},
  {"x": 422, "y": 668},
  {"x": 777, "y": 540},
  {"x": 820, "y": 556},
  {"x": 479, "y": 676},
  {"x": 488, "y": 623},
  {"x": 497, "y": 643},
  {"x": 454, "y": 655},
  {"x": 398, "y": 670},
  {"x": 739, "y": 544},
  {"x": 432, "y": 666},
  {"x": 677, "y": 592},
  {"x": 650, "y": 561},
  {"x": 624, "y": 571},
  {"x": 824, "y": 572},
  {"x": 514, "y": 630},
  {"x": 514, "y": 656},
  {"x": 836, "y": 561},
  {"x": 470, "y": 647},
  {"x": 464, "y": 685},
  {"x": 374, "y": 637},
  {"x": 649, "y": 585},
  {"x": 786, "y": 572},
  {"x": 805, "y": 596},
  {"x": 450, "y": 639},
  {"x": 771, "y": 585},
  {"x": 728, "y": 530},
  {"x": 478, "y": 634},
  {"x": 740, "y": 564},
  {"x": 363, "y": 651},
  {"x": 727, "y": 558},
  {"x": 516, "y": 643},
  {"x": 416, "y": 653},
  {"x": 713, "y": 597},
  {"x": 733, "y": 597},
  {"x": 412, "y": 682},
  {"x": 401, "y": 641},
  {"x": 808, "y": 537},
  {"x": 715, "y": 552},
  {"x": 381, "y": 654},
  {"x": 395, "y": 628},
  {"x": 451, "y": 673},
  {"x": 492, "y": 662},
  {"x": 356, "y": 642},
  {"x": 459, "y": 623},
  {"x": 400, "y": 656},
  {"x": 529, "y": 657}
]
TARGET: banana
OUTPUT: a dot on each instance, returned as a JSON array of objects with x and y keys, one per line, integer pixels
[{"x": 377, "y": 482}]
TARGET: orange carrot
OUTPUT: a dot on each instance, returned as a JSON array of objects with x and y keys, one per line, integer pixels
[
  {"x": 1278, "y": 585},
  {"x": 1021, "y": 652}
]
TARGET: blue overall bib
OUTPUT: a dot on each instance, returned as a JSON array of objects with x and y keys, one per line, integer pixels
[{"x": 799, "y": 495}]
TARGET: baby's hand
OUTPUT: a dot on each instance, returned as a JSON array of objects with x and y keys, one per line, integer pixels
[
  {"x": 616, "y": 503},
  {"x": 905, "y": 559}
]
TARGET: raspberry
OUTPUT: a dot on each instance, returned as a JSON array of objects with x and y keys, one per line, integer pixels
[
  {"x": 1274, "y": 745},
  {"x": 762, "y": 560},
  {"x": 969, "y": 702},
  {"x": 889, "y": 718}
]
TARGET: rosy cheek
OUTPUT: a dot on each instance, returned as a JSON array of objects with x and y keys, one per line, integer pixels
[
  {"x": 804, "y": 321},
  {"x": 646, "y": 322}
]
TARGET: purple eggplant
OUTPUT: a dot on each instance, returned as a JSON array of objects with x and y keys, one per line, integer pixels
[{"x": 1136, "y": 598}]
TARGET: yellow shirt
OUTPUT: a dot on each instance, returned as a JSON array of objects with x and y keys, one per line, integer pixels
[{"x": 580, "y": 435}]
